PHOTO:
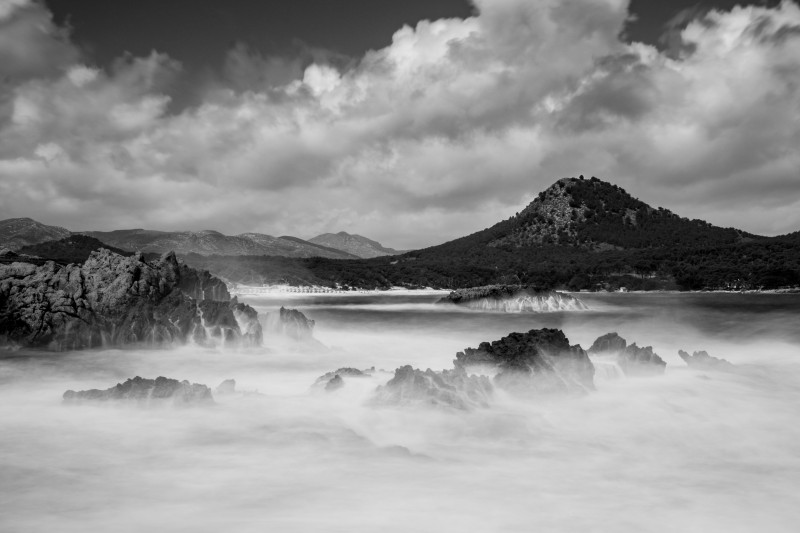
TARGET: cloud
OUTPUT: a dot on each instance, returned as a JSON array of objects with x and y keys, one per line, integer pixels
[{"x": 454, "y": 126}]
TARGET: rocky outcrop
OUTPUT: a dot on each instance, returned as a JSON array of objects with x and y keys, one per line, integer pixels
[
  {"x": 513, "y": 299},
  {"x": 335, "y": 379},
  {"x": 147, "y": 392},
  {"x": 702, "y": 361},
  {"x": 450, "y": 388},
  {"x": 335, "y": 383},
  {"x": 633, "y": 360},
  {"x": 291, "y": 323},
  {"x": 113, "y": 300},
  {"x": 540, "y": 360},
  {"x": 226, "y": 387}
]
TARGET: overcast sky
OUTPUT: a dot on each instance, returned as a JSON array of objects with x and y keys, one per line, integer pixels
[{"x": 409, "y": 122}]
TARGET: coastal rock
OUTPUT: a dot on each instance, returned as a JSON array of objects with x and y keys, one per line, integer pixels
[
  {"x": 226, "y": 387},
  {"x": 450, "y": 388},
  {"x": 147, "y": 392},
  {"x": 636, "y": 361},
  {"x": 291, "y": 323},
  {"x": 335, "y": 383},
  {"x": 702, "y": 361},
  {"x": 633, "y": 360},
  {"x": 513, "y": 299},
  {"x": 113, "y": 300},
  {"x": 540, "y": 360},
  {"x": 337, "y": 376}
]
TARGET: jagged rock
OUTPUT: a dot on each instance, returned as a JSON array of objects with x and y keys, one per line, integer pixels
[
  {"x": 325, "y": 379},
  {"x": 540, "y": 360},
  {"x": 702, "y": 361},
  {"x": 608, "y": 343},
  {"x": 114, "y": 300},
  {"x": 291, "y": 323},
  {"x": 335, "y": 383},
  {"x": 227, "y": 387},
  {"x": 147, "y": 391},
  {"x": 513, "y": 299},
  {"x": 636, "y": 361},
  {"x": 450, "y": 388}
]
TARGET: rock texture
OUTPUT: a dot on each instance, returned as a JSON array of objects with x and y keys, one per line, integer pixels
[
  {"x": 450, "y": 388},
  {"x": 291, "y": 323},
  {"x": 702, "y": 361},
  {"x": 146, "y": 392},
  {"x": 540, "y": 360},
  {"x": 113, "y": 301},
  {"x": 632, "y": 359},
  {"x": 513, "y": 299},
  {"x": 335, "y": 379}
]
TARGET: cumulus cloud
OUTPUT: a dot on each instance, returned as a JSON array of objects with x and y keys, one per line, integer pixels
[{"x": 454, "y": 126}]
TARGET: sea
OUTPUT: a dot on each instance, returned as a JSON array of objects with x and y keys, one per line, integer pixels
[{"x": 690, "y": 450}]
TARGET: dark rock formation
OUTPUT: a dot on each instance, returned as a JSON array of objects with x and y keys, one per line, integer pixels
[
  {"x": 636, "y": 361},
  {"x": 541, "y": 360},
  {"x": 114, "y": 300},
  {"x": 147, "y": 392},
  {"x": 291, "y": 323},
  {"x": 513, "y": 299},
  {"x": 702, "y": 361},
  {"x": 227, "y": 387},
  {"x": 608, "y": 343},
  {"x": 335, "y": 383},
  {"x": 633, "y": 360},
  {"x": 450, "y": 388}
]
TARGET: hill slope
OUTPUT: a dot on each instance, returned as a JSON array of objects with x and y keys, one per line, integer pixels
[
  {"x": 72, "y": 249},
  {"x": 18, "y": 232},
  {"x": 211, "y": 242},
  {"x": 354, "y": 244}
]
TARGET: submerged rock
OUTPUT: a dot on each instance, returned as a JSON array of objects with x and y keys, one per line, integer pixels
[
  {"x": 513, "y": 299},
  {"x": 633, "y": 360},
  {"x": 291, "y": 323},
  {"x": 227, "y": 387},
  {"x": 702, "y": 361},
  {"x": 146, "y": 391},
  {"x": 540, "y": 360},
  {"x": 449, "y": 388},
  {"x": 113, "y": 300},
  {"x": 335, "y": 380}
]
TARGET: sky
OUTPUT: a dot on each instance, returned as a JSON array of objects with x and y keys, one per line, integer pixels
[{"x": 411, "y": 122}]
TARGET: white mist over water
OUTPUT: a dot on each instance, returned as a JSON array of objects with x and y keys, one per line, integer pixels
[{"x": 688, "y": 451}]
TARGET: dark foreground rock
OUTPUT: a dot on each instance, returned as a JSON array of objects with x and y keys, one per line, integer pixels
[
  {"x": 111, "y": 300},
  {"x": 147, "y": 392},
  {"x": 632, "y": 359},
  {"x": 291, "y": 323},
  {"x": 513, "y": 299},
  {"x": 449, "y": 388},
  {"x": 702, "y": 361},
  {"x": 540, "y": 360}
]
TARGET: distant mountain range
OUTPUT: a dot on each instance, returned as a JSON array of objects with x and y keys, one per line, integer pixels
[
  {"x": 17, "y": 233},
  {"x": 577, "y": 234},
  {"x": 354, "y": 244}
]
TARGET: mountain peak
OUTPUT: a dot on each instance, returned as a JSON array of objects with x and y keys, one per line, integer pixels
[{"x": 353, "y": 244}]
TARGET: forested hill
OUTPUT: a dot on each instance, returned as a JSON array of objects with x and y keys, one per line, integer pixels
[{"x": 578, "y": 234}]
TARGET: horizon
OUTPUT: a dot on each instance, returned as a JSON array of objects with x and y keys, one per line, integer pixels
[{"x": 441, "y": 120}]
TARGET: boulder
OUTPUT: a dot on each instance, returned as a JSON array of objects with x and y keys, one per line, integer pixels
[
  {"x": 608, "y": 343},
  {"x": 226, "y": 387},
  {"x": 636, "y": 361},
  {"x": 337, "y": 377},
  {"x": 111, "y": 300},
  {"x": 702, "y": 361},
  {"x": 335, "y": 383},
  {"x": 147, "y": 392},
  {"x": 449, "y": 388},
  {"x": 540, "y": 360},
  {"x": 290, "y": 323}
]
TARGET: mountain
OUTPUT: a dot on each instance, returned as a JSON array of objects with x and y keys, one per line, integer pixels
[
  {"x": 577, "y": 234},
  {"x": 73, "y": 249},
  {"x": 18, "y": 232},
  {"x": 209, "y": 242},
  {"x": 354, "y": 244}
]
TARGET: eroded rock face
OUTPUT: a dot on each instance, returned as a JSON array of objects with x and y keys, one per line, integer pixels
[
  {"x": 633, "y": 360},
  {"x": 513, "y": 299},
  {"x": 291, "y": 323},
  {"x": 702, "y": 361},
  {"x": 450, "y": 388},
  {"x": 113, "y": 300},
  {"x": 540, "y": 360},
  {"x": 147, "y": 392}
]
